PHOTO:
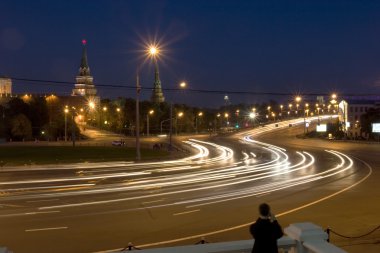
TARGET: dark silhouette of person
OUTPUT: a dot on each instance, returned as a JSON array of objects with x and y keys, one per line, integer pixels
[{"x": 266, "y": 230}]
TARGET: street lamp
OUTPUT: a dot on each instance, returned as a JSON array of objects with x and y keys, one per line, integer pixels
[
  {"x": 182, "y": 85},
  {"x": 73, "y": 125},
  {"x": 91, "y": 104},
  {"x": 147, "y": 121},
  {"x": 298, "y": 100},
  {"x": 179, "y": 115},
  {"x": 200, "y": 114},
  {"x": 138, "y": 88},
  {"x": 226, "y": 115},
  {"x": 152, "y": 51},
  {"x": 66, "y": 110}
]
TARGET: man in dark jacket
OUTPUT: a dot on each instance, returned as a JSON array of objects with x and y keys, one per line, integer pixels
[{"x": 266, "y": 231}]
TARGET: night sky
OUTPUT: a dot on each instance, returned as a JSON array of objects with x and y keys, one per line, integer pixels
[{"x": 266, "y": 46}]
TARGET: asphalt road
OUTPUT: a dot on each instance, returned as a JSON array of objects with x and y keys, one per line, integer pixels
[{"x": 213, "y": 193}]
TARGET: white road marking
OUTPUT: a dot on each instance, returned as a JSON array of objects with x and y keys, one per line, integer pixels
[
  {"x": 192, "y": 211},
  {"x": 153, "y": 201}
]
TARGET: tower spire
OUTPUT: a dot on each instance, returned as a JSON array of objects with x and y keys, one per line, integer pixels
[
  {"x": 157, "y": 95},
  {"x": 84, "y": 81},
  {"x": 84, "y": 69}
]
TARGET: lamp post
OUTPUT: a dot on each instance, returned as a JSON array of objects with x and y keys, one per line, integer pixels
[
  {"x": 152, "y": 51},
  {"x": 196, "y": 121},
  {"x": 73, "y": 125},
  {"x": 298, "y": 100},
  {"x": 147, "y": 121},
  {"x": 252, "y": 116},
  {"x": 183, "y": 86},
  {"x": 66, "y": 110},
  {"x": 179, "y": 115},
  {"x": 138, "y": 88},
  {"x": 226, "y": 115},
  {"x": 216, "y": 121},
  {"x": 274, "y": 116}
]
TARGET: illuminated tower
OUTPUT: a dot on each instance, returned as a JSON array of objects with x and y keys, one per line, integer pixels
[
  {"x": 157, "y": 95},
  {"x": 84, "y": 81}
]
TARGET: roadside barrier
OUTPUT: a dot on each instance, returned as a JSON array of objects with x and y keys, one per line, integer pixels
[
  {"x": 330, "y": 231},
  {"x": 130, "y": 247},
  {"x": 202, "y": 241}
]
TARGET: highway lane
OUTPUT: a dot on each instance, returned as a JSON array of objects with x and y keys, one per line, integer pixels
[{"x": 217, "y": 188}]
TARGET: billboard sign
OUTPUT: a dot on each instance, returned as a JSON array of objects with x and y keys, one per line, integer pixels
[
  {"x": 375, "y": 127},
  {"x": 321, "y": 128}
]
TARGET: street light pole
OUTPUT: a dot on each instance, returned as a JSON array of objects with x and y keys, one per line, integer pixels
[
  {"x": 147, "y": 125},
  {"x": 138, "y": 155},
  {"x": 171, "y": 126},
  {"x": 73, "y": 128},
  {"x": 66, "y": 111},
  {"x": 147, "y": 121}
]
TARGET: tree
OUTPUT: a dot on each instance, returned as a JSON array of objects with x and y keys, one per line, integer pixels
[
  {"x": 372, "y": 116},
  {"x": 21, "y": 128}
]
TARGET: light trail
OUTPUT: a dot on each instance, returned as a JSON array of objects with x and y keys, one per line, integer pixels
[{"x": 44, "y": 229}]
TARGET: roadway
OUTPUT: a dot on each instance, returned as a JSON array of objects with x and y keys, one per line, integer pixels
[{"x": 214, "y": 193}]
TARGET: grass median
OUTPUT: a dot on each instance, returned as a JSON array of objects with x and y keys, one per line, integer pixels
[{"x": 29, "y": 155}]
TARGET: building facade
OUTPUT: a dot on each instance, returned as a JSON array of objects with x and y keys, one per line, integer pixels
[
  {"x": 5, "y": 87},
  {"x": 354, "y": 110}
]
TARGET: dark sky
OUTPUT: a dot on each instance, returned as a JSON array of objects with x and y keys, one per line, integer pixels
[{"x": 274, "y": 46}]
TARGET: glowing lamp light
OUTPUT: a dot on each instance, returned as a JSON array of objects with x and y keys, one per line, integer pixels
[
  {"x": 153, "y": 50},
  {"x": 84, "y": 42},
  {"x": 91, "y": 104}
]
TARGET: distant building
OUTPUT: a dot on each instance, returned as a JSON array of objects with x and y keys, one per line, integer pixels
[
  {"x": 320, "y": 100},
  {"x": 5, "y": 87},
  {"x": 84, "y": 85},
  {"x": 157, "y": 94},
  {"x": 354, "y": 109}
]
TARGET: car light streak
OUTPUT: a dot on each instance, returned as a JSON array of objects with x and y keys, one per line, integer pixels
[
  {"x": 46, "y": 187},
  {"x": 74, "y": 178},
  {"x": 44, "y": 229}
]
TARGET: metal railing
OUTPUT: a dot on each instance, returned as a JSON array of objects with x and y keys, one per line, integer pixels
[{"x": 301, "y": 238}]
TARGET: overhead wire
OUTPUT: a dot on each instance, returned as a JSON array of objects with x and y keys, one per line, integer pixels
[{"x": 131, "y": 87}]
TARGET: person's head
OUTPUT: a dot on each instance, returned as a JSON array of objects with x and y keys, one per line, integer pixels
[{"x": 264, "y": 209}]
